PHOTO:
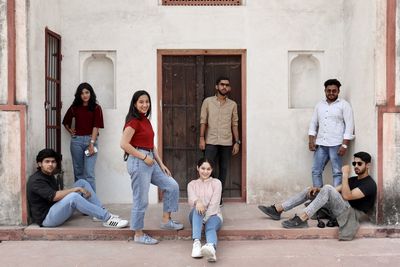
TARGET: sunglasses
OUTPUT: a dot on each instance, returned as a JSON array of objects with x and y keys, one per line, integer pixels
[
  {"x": 358, "y": 163},
  {"x": 225, "y": 84}
]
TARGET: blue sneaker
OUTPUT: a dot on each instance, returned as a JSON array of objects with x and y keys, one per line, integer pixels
[
  {"x": 171, "y": 225},
  {"x": 146, "y": 240}
]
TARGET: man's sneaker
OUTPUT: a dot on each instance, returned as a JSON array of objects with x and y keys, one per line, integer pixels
[
  {"x": 208, "y": 251},
  {"x": 196, "y": 250},
  {"x": 95, "y": 219},
  {"x": 115, "y": 222},
  {"x": 145, "y": 240},
  {"x": 171, "y": 225},
  {"x": 295, "y": 222},
  {"x": 271, "y": 212}
]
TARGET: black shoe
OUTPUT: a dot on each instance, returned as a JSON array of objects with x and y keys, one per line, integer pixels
[
  {"x": 271, "y": 212},
  {"x": 322, "y": 213},
  {"x": 295, "y": 222},
  {"x": 320, "y": 224},
  {"x": 332, "y": 223}
]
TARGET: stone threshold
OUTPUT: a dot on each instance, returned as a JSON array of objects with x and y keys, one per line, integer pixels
[
  {"x": 35, "y": 232},
  {"x": 241, "y": 222}
]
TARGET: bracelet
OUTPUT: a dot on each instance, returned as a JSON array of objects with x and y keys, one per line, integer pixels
[
  {"x": 92, "y": 141},
  {"x": 145, "y": 157}
]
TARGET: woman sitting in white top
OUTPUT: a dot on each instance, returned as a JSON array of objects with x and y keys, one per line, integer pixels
[{"x": 204, "y": 197}]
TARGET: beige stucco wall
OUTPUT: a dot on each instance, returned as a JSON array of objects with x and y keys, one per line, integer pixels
[
  {"x": 391, "y": 148},
  {"x": 278, "y": 160},
  {"x": 360, "y": 72},
  {"x": 21, "y": 74},
  {"x": 10, "y": 170},
  {"x": 3, "y": 52},
  {"x": 40, "y": 14},
  {"x": 391, "y": 171}
]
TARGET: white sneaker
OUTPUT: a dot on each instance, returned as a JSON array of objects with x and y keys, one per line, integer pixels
[
  {"x": 196, "y": 251},
  {"x": 115, "y": 222},
  {"x": 208, "y": 251},
  {"x": 95, "y": 219}
]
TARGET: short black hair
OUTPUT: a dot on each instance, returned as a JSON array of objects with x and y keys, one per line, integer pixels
[
  {"x": 48, "y": 153},
  {"x": 332, "y": 82},
  {"x": 220, "y": 78},
  {"x": 364, "y": 156}
]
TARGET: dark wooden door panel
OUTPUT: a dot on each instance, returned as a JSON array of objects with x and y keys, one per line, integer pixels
[
  {"x": 186, "y": 81},
  {"x": 52, "y": 103},
  {"x": 180, "y": 117},
  {"x": 229, "y": 66}
]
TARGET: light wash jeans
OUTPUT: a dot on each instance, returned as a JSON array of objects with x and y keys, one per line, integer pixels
[
  {"x": 212, "y": 225},
  {"x": 322, "y": 155},
  {"x": 328, "y": 198},
  {"x": 63, "y": 209},
  {"x": 141, "y": 177},
  {"x": 83, "y": 165}
]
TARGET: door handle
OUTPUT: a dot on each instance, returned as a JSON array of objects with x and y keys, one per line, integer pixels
[{"x": 46, "y": 105}]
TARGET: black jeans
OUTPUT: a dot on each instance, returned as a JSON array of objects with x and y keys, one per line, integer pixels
[{"x": 221, "y": 155}]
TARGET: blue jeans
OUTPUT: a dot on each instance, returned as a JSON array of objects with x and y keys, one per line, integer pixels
[
  {"x": 83, "y": 165},
  {"x": 322, "y": 155},
  {"x": 141, "y": 177},
  {"x": 212, "y": 225},
  {"x": 62, "y": 210},
  {"x": 328, "y": 198},
  {"x": 224, "y": 155}
]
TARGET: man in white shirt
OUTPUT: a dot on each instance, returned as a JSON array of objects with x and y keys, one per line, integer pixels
[{"x": 330, "y": 132}]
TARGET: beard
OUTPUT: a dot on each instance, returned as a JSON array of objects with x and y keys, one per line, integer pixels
[
  {"x": 360, "y": 172},
  {"x": 222, "y": 93}
]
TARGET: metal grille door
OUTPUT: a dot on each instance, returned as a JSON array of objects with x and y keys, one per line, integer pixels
[{"x": 52, "y": 102}]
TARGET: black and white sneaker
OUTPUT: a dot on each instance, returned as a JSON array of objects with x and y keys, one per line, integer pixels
[{"x": 115, "y": 222}]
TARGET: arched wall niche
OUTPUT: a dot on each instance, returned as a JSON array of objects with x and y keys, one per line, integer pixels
[
  {"x": 98, "y": 69},
  {"x": 305, "y": 72}
]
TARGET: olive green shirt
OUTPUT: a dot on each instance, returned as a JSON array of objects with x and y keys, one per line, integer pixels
[{"x": 219, "y": 119}]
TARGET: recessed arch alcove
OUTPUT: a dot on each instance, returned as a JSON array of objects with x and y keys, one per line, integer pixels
[
  {"x": 305, "y": 88},
  {"x": 98, "y": 69}
]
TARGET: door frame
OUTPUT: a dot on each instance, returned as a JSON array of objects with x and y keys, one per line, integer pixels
[{"x": 206, "y": 52}]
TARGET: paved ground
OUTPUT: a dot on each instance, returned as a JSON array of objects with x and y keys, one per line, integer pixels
[{"x": 357, "y": 253}]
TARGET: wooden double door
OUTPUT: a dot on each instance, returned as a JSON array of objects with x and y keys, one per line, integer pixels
[{"x": 186, "y": 82}]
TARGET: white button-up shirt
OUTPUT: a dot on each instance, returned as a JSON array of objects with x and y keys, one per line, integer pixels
[{"x": 332, "y": 123}]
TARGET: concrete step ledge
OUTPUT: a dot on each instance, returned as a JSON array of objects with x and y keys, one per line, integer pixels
[{"x": 34, "y": 232}]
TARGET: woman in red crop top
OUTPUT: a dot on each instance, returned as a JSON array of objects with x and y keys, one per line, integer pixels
[
  {"x": 83, "y": 120},
  {"x": 146, "y": 167}
]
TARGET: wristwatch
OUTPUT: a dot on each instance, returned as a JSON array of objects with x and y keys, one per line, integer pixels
[
  {"x": 344, "y": 146},
  {"x": 92, "y": 141},
  {"x": 238, "y": 142}
]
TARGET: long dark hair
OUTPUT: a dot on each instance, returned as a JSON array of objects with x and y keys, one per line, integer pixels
[
  {"x": 133, "y": 112},
  {"x": 78, "y": 100}
]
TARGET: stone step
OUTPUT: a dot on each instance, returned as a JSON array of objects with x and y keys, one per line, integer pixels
[
  {"x": 34, "y": 232},
  {"x": 241, "y": 222}
]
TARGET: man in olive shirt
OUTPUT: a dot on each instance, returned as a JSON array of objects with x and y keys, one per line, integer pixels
[{"x": 218, "y": 122}]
